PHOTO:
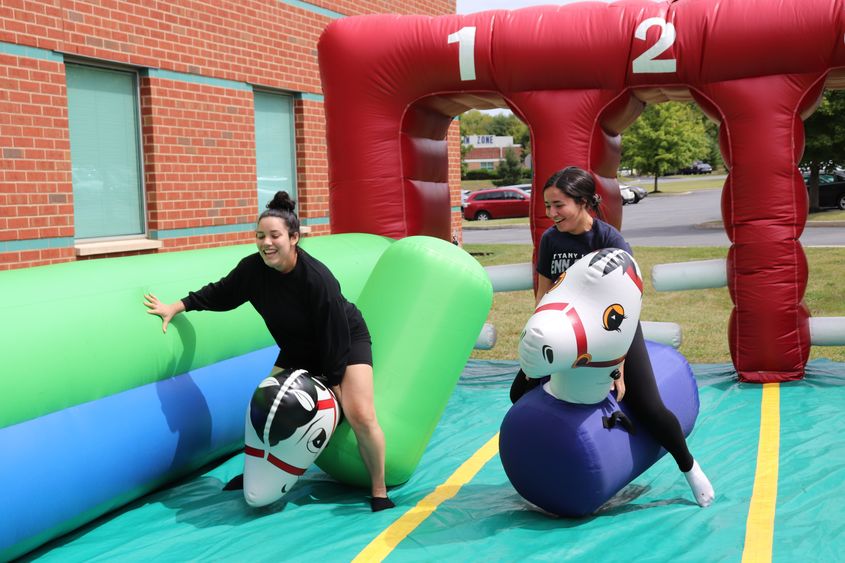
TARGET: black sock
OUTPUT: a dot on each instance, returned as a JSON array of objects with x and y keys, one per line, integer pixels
[
  {"x": 381, "y": 503},
  {"x": 235, "y": 484},
  {"x": 522, "y": 384}
]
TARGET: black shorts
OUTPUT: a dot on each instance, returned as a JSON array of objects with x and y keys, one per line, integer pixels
[
  {"x": 361, "y": 347},
  {"x": 360, "y": 351}
]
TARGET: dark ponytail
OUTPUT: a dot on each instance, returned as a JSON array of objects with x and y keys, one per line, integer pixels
[
  {"x": 578, "y": 184},
  {"x": 282, "y": 206}
]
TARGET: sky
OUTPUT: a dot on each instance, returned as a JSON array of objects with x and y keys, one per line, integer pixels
[{"x": 470, "y": 6}]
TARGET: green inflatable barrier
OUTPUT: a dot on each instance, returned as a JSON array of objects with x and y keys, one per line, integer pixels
[
  {"x": 78, "y": 331},
  {"x": 425, "y": 303}
]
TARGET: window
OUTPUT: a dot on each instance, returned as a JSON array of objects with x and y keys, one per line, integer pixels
[
  {"x": 105, "y": 152},
  {"x": 487, "y": 165},
  {"x": 274, "y": 146},
  {"x": 487, "y": 196}
]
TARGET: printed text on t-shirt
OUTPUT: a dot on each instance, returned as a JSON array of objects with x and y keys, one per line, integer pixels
[{"x": 561, "y": 261}]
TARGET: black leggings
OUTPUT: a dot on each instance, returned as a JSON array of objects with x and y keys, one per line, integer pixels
[{"x": 642, "y": 398}]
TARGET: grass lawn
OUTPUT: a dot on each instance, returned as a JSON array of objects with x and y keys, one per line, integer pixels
[
  {"x": 702, "y": 314},
  {"x": 827, "y": 215},
  {"x": 473, "y": 185},
  {"x": 682, "y": 184}
]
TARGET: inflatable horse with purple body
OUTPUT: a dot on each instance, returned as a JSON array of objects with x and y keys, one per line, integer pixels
[{"x": 568, "y": 446}]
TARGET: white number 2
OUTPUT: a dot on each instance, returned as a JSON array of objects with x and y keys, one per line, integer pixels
[
  {"x": 465, "y": 38},
  {"x": 647, "y": 62}
]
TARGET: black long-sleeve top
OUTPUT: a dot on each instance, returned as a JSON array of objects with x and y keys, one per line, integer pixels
[{"x": 304, "y": 310}]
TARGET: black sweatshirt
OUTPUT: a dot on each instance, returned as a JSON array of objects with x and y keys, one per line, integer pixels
[{"x": 304, "y": 310}]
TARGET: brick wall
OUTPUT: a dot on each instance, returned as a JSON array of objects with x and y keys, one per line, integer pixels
[
  {"x": 199, "y": 159},
  {"x": 454, "y": 138},
  {"x": 198, "y": 134},
  {"x": 35, "y": 183},
  {"x": 488, "y": 153},
  {"x": 312, "y": 168}
]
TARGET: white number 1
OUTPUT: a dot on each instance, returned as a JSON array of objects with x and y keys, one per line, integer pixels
[
  {"x": 465, "y": 38},
  {"x": 646, "y": 62}
]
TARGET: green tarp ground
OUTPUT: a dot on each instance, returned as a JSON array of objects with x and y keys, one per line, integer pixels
[{"x": 653, "y": 519}]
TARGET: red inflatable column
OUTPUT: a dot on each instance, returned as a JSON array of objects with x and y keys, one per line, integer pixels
[
  {"x": 764, "y": 207},
  {"x": 575, "y": 128}
]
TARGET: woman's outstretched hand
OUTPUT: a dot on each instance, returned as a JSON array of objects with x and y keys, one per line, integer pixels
[
  {"x": 619, "y": 384},
  {"x": 164, "y": 310}
]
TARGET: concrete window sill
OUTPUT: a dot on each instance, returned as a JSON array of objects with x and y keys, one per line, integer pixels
[{"x": 111, "y": 246}]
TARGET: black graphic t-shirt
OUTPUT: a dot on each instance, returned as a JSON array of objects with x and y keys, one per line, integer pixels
[{"x": 558, "y": 251}]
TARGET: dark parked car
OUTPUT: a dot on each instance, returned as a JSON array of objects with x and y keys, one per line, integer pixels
[
  {"x": 496, "y": 203},
  {"x": 628, "y": 195},
  {"x": 831, "y": 189},
  {"x": 697, "y": 167},
  {"x": 638, "y": 191}
]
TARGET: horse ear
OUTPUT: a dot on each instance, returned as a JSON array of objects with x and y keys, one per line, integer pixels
[{"x": 304, "y": 399}]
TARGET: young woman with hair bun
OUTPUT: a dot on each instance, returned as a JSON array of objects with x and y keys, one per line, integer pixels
[{"x": 316, "y": 328}]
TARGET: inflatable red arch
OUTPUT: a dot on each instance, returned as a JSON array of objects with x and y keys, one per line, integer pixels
[{"x": 578, "y": 75}]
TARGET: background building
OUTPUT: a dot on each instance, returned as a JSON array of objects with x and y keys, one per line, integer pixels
[
  {"x": 488, "y": 151},
  {"x": 133, "y": 127}
]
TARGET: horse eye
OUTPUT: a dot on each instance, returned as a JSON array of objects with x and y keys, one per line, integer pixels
[
  {"x": 613, "y": 317},
  {"x": 548, "y": 353},
  {"x": 317, "y": 441}
]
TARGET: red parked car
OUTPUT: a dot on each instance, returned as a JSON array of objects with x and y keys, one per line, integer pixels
[{"x": 496, "y": 203}]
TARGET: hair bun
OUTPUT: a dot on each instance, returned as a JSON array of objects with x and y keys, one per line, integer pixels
[
  {"x": 282, "y": 202},
  {"x": 596, "y": 200}
]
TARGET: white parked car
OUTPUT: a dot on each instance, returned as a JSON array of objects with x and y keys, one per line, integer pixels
[
  {"x": 464, "y": 195},
  {"x": 628, "y": 195}
]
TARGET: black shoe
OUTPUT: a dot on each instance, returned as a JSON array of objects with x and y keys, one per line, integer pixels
[
  {"x": 377, "y": 504},
  {"x": 522, "y": 384},
  {"x": 235, "y": 484}
]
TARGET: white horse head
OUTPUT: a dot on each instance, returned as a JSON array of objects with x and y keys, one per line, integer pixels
[
  {"x": 288, "y": 423},
  {"x": 582, "y": 328}
]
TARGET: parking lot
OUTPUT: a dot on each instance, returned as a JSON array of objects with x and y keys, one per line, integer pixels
[{"x": 687, "y": 219}]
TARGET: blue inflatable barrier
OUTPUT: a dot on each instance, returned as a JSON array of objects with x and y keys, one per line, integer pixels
[
  {"x": 561, "y": 456},
  {"x": 107, "y": 452}
]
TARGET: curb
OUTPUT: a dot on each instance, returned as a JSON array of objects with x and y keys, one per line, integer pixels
[{"x": 813, "y": 224}]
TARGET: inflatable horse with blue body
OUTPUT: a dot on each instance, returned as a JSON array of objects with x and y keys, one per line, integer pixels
[{"x": 568, "y": 446}]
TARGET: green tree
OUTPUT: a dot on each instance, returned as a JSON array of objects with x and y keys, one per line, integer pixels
[
  {"x": 509, "y": 169},
  {"x": 714, "y": 154},
  {"x": 824, "y": 145},
  {"x": 464, "y": 166},
  {"x": 523, "y": 137},
  {"x": 664, "y": 138},
  {"x": 474, "y": 122}
]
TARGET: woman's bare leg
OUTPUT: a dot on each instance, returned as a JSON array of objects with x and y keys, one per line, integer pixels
[{"x": 356, "y": 398}]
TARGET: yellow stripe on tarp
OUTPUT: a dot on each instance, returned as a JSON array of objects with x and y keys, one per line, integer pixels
[
  {"x": 387, "y": 541},
  {"x": 760, "y": 526}
]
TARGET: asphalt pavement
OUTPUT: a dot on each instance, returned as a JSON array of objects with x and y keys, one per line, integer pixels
[{"x": 687, "y": 219}]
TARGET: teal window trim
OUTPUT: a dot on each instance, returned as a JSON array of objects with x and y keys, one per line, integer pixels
[
  {"x": 16, "y": 50},
  {"x": 198, "y": 231},
  {"x": 310, "y": 97},
  {"x": 311, "y": 221},
  {"x": 196, "y": 79},
  {"x": 36, "y": 244},
  {"x": 313, "y": 8}
]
